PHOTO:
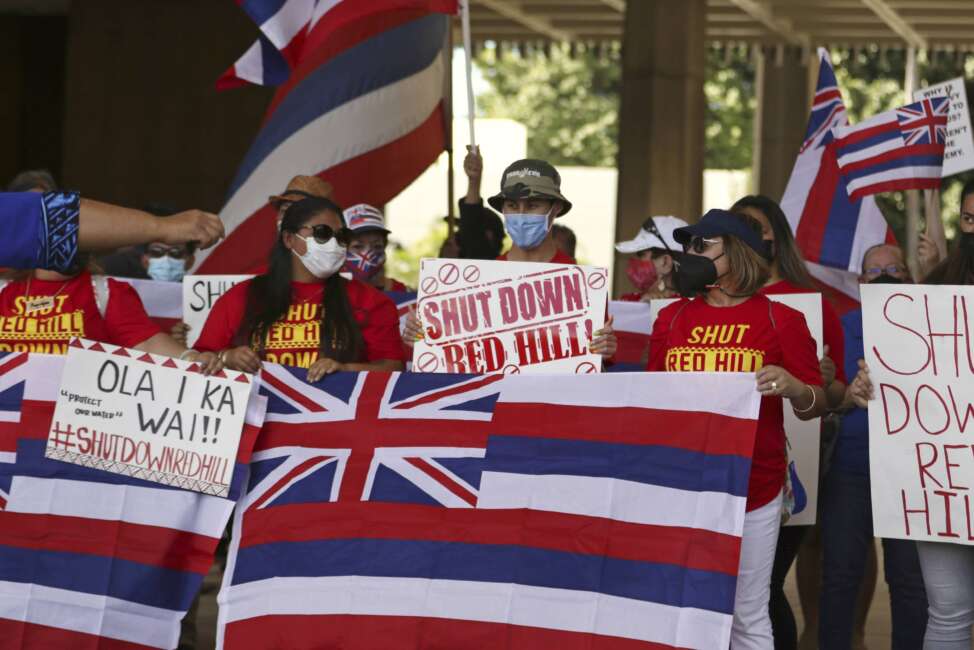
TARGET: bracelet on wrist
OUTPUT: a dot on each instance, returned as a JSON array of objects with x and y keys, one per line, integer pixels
[{"x": 810, "y": 406}]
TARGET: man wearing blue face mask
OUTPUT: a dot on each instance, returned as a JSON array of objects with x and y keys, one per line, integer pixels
[
  {"x": 531, "y": 200},
  {"x": 154, "y": 261}
]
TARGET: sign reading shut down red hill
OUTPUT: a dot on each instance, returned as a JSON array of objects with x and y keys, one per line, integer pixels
[
  {"x": 484, "y": 317},
  {"x": 921, "y": 424}
]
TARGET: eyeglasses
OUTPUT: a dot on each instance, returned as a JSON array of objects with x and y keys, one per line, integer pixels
[
  {"x": 700, "y": 244},
  {"x": 175, "y": 252},
  {"x": 322, "y": 233},
  {"x": 892, "y": 269}
]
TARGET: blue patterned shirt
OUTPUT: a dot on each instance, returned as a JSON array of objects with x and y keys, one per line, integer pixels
[{"x": 40, "y": 231}]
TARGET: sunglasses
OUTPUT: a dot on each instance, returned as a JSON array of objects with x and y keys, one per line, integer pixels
[
  {"x": 323, "y": 233},
  {"x": 892, "y": 269},
  {"x": 700, "y": 244},
  {"x": 175, "y": 252}
]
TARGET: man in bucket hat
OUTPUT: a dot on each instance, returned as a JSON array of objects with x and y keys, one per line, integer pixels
[{"x": 530, "y": 200}]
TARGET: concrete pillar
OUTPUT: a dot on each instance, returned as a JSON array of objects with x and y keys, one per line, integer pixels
[
  {"x": 661, "y": 116},
  {"x": 783, "y": 103}
]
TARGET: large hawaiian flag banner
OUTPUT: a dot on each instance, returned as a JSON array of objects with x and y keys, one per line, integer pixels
[
  {"x": 453, "y": 511},
  {"x": 92, "y": 560}
]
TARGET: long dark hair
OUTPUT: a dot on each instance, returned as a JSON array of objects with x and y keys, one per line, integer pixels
[
  {"x": 791, "y": 266},
  {"x": 269, "y": 295}
]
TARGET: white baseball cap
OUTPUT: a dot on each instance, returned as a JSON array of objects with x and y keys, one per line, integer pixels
[{"x": 645, "y": 239}]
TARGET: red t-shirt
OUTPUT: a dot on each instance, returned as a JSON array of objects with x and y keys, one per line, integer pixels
[
  {"x": 395, "y": 285},
  {"x": 74, "y": 313},
  {"x": 635, "y": 296},
  {"x": 691, "y": 335},
  {"x": 831, "y": 325},
  {"x": 295, "y": 339},
  {"x": 560, "y": 257}
]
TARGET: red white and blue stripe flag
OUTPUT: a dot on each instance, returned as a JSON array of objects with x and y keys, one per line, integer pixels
[
  {"x": 832, "y": 230},
  {"x": 902, "y": 149},
  {"x": 410, "y": 511},
  {"x": 361, "y": 104},
  {"x": 90, "y": 559}
]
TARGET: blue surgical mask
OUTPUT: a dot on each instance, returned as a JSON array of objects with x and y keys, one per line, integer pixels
[
  {"x": 527, "y": 231},
  {"x": 166, "y": 269}
]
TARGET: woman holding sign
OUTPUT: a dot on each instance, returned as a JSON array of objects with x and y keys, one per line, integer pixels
[
  {"x": 301, "y": 312},
  {"x": 731, "y": 327}
]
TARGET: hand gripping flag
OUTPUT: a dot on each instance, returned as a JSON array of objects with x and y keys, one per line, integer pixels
[
  {"x": 902, "y": 149},
  {"x": 91, "y": 560},
  {"x": 360, "y": 103},
  {"x": 832, "y": 231},
  {"x": 403, "y": 511}
]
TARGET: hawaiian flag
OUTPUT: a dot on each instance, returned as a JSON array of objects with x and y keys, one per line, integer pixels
[
  {"x": 902, "y": 149},
  {"x": 91, "y": 559},
  {"x": 832, "y": 231},
  {"x": 12, "y": 382},
  {"x": 361, "y": 103},
  {"x": 451, "y": 511}
]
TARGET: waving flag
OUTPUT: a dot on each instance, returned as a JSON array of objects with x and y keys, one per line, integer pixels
[
  {"x": 91, "y": 559},
  {"x": 832, "y": 231},
  {"x": 361, "y": 105},
  {"x": 450, "y": 511},
  {"x": 902, "y": 149}
]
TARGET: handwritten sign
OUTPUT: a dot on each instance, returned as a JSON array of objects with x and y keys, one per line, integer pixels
[
  {"x": 149, "y": 417},
  {"x": 803, "y": 436},
  {"x": 200, "y": 293},
  {"x": 959, "y": 152},
  {"x": 921, "y": 425},
  {"x": 484, "y": 317}
]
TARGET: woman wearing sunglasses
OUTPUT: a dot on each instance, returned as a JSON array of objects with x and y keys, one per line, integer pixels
[
  {"x": 301, "y": 312},
  {"x": 726, "y": 325}
]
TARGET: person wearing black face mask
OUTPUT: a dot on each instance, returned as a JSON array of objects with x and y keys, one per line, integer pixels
[
  {"x": 728, "y": 326},
  {"x": 846, "y": 519},
  {"x": 789, "y": 275}
]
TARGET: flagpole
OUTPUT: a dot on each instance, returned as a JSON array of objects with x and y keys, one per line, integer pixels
[
  {"x": 912, "y": 196},
  {"x": 468, "y": 53},
  {"x": 451, "y": 219}
]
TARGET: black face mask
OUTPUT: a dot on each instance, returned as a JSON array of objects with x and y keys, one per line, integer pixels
[
  {"x": 967, "y": 243},
  {"x": 885, "y": 278},
  {"x": 693, "y": 274}
]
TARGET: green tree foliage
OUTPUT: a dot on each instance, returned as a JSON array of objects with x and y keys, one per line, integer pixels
[
  {"x": 729, "y": 120},
  {"x": 568, "y": 102}
]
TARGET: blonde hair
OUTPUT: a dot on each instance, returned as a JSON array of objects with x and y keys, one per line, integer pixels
[{"x": 748, "y": 270}]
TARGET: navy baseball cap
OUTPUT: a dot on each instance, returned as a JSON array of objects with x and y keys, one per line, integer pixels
[{"x": 717, "y": 223}]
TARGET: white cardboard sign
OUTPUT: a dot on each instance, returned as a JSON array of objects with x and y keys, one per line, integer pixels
[
  {"x": 804, "y": 436},
  {"x": 200, "y": 293},
  {"x": 496, "y": 316},
  {"x": 149, "y": 417},
  {"x": 959, "y": 150},
  {"x": 917, "y": 342}
]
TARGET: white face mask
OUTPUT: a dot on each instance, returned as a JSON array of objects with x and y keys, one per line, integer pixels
[{"x": 322, "y": 260}]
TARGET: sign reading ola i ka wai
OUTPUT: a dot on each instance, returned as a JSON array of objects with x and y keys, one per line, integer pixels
[
  {"x": 921, "y": 423},
  {"x": 486, "y": 316},
  {"x": 149, "y": 417}
]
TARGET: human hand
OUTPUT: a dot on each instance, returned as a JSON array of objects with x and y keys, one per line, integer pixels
[
  {"x": 190, "y": 227},
  {"x": 604, "y": 341},
  {"x": 321, "y": 367},
  {"x": 861, "y": 388},
  {"x": 775, "y": 381},
  {"x": 241, "y": 358}
]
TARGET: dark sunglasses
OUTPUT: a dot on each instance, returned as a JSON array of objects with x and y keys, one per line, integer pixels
[
  {"x": 175, "y": 252},
  {"x": 322, "y": 233},
  {"x": 650, "y": 226}
]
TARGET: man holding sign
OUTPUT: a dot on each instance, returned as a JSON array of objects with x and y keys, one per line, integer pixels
[{"x": 530, "y": 198}]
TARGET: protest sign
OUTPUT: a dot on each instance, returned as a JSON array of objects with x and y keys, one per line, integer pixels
[
  {"x": 917, "y": 341},
  {"x": 804, "y": 436},
  {"x": 200, "y": 293},
  {"x": 149, "y": 417},
  {"x": 486, "y": 316},
  {"x": 959, "y": 150}
]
